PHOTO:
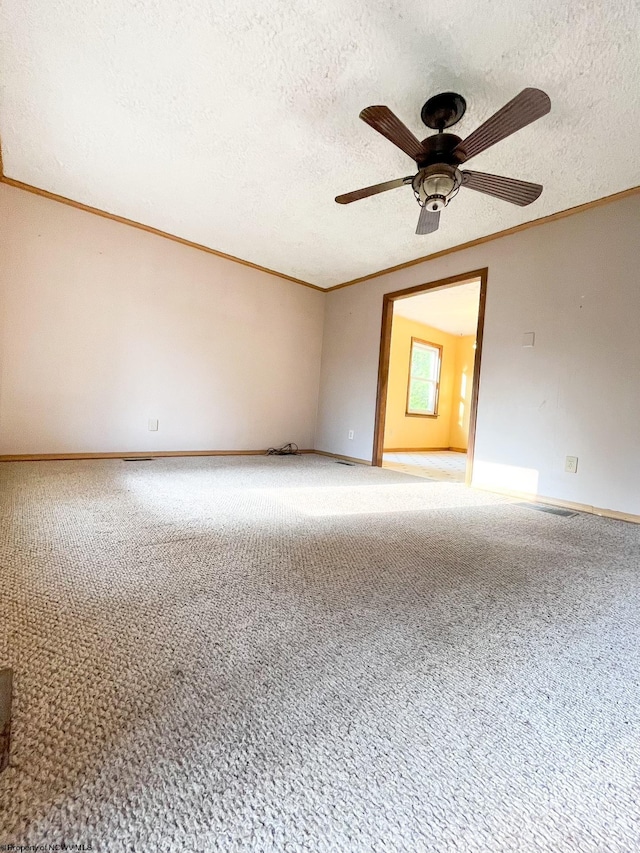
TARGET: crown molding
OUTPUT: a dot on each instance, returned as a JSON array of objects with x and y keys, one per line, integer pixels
[
  {"x": 570, "y": 211},
  {"x": 20, "y": 185},
  {"x": 561, "y": 214}
]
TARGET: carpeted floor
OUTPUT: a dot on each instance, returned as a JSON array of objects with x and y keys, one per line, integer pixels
[
  {"x": 434, "y": 464},
  {"x": 288, "y": 654}
]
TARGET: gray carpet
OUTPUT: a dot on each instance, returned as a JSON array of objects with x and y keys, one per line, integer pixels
[{"x": 266, "y": 654}]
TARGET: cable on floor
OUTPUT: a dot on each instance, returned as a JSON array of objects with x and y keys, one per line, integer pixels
[{"x": 290, "y": 449}]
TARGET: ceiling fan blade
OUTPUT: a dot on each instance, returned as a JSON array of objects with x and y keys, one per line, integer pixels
[
  {"x": 428, "y": 221},
  {"x": 347, "y": 198},
  {"x": 508, "y": 189},
  {"x": 529, "y": 105},
  {"x": 390, "y": 126}
]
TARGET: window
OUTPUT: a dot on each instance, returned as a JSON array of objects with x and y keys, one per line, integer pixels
[{"x": 424, "y": 378}]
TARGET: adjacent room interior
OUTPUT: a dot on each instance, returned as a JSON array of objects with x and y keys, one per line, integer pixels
[
  {"x": 319, "y": 447},
  {"x": 430, "y": 382}
]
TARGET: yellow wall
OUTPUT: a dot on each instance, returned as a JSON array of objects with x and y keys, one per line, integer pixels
[
  {"x": 461, "y": 398},
  {"x": 450, "y": 427},
  {"x": 407, "y": 431}
]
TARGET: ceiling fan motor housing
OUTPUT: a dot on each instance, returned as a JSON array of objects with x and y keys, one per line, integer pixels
[{"x": 439, "y": 148}]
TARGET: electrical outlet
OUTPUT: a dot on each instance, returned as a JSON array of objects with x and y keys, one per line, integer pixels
[
  {"x": 153, "y": 424},
  {"x": 571, "y": 465},
  {"x": 350, "y": 433}
]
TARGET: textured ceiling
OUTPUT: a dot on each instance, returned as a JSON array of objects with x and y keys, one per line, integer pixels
[
  {"x": 451, "y": 309},
  {"x": 235, "y": 124}
]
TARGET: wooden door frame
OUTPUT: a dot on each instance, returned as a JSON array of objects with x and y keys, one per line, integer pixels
[{"x": 385, "y": 352}]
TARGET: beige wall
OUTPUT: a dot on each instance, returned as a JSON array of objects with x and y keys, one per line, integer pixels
[
  {"x": 404, "y": 431},
  {"x": 103, "y": 326},
  {"x": 575, "y": 282}
]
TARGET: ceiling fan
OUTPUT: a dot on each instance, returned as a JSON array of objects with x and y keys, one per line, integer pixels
[{"x": 439, "y": 156}]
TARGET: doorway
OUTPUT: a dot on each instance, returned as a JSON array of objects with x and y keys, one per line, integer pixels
[{"x": 428, "y": 379}]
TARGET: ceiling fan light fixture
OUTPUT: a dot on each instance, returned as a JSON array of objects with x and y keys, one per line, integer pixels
[
  {"x": 436, "y": 185},
  {"x": 439, "y": 183}
]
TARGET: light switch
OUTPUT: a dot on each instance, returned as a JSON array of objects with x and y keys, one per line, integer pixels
[
  {"x": 153, "y": 424},
  {"x": 528, "y": 339}
]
